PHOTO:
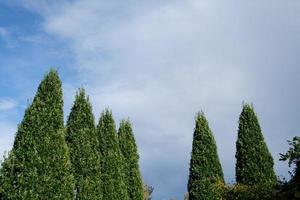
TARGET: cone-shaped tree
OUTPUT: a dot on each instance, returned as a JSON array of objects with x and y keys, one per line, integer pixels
[
  {"x": 38, "y": 167},
  {"x": 205, "y": 167},
  {"x": 112, "y": 162},
  {"x": 83, "y": 145},
  {"x": 128, "y": 148},
  {"x": 254, "y": 163}
]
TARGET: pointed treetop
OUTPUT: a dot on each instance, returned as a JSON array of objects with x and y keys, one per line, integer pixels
[
  {"x": 40, "y": 143},
  {"x": 81, "y": 113},
  {"x": 254, "y": 161},
  {"x": 107, "y": 133},
  {"x": 112, "y": 163},
  {"x": 125, "y": 124},
  {"x": 204, "y": 141},
  {"x": 128, "y": 148},
  {"x": 50, "y": 81},
  {"x": 83, "y": 144},
  {"x": 205, "y": 168},
  {"x": 200, "y": 116}
]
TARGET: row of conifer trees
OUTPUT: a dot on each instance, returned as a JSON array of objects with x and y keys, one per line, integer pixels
[
  {"x": 254, "y": 163},
  {"x": 76, "y": 161},
  {"x": 85, "y": 161}
]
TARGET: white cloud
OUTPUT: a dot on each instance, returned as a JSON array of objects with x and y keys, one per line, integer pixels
[
  {"x": 3, "y": 32},
  {"x": 7, "y": 132},
  {"x": 7, "y": 104},
  {"x": 159, "y": 63},
  {"x": 5, "y": 36}
]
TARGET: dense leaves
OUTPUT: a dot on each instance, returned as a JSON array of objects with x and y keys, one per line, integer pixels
[
  {"x": 293, "y": 157},
  {"x": 292, "y": 188},
  {"x": 128, "y": 148},
  {"x": 254, "y": 163},
  {"x": 205, "y": 167},
  {"x": 246, "y": 192},
  {"x": 83, "y": 144},
  {"x": 112, "y": 161},
  {"x": 83, "y": 162},
  {"x": 38, "y": 167}
]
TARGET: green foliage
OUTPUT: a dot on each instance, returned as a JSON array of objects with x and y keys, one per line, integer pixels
[
  {"x": 82, "y": 141},
  {"x": 293, "y": 157},
  {"x": 254, "y": 163},
  {"x": 112, "y": 162},
  {"x": 248, "y": 192},
  {"x": 129, "y": 150},
  {"x": 205, "y": 167},
  {"x": 38, "y": 167},
  {"x": 292, "y": 188}
]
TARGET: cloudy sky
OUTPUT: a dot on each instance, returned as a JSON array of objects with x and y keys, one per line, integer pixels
[{"x": 159, "y": 62}]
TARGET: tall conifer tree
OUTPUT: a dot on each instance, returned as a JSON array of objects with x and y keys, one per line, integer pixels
[
  {"x": 205, "y": 167},
  {"x": 254, "y": 163},
  {"x": 83, "y": 144},
  {"x": 38, "y": 167},
  {"x": 112, "y": 162},
  {"x": 130, "y": 153}
]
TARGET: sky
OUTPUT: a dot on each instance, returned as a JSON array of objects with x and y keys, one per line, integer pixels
[{"x": 159, "y": 63}]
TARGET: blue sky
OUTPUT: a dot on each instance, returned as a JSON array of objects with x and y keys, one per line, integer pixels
[{"x": 159, "y": 63}]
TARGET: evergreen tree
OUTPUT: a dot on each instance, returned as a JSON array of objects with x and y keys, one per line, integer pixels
[
  {"x": 83, "y": 144},
  {"x": 254, "y": 163},
  {"x": 112, "y": 162},
  {"x": 129, "y": 150},
  {"x": 38, "y": 167},
  {"x": 205, "y": 167}
]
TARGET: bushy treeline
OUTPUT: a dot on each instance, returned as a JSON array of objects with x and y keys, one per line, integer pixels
[
  {"x": 88, "y": 161},
  {"x": 80, "y": 161},
  {"x": 255, "y": 176}
]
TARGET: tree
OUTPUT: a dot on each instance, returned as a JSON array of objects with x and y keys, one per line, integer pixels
[
  {"x": 254, "y": 163},
  {"x": 112, "y": 162},
  {"x": 38, "y": 167},
  {"x": 205, "y": 167},
  {"x": 293, "y": 158},
  {"x": 83, "y": 144},
  {"x": 129, "y": 150}
]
